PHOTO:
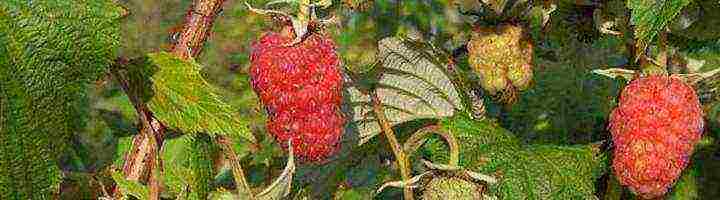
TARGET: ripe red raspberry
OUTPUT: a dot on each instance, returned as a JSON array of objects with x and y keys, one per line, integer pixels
[
  {"x": 658, "y": 121},
  {"x": 301, "y": 88}
]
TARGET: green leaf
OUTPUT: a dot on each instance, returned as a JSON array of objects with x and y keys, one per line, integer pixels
[
  {"x": 201, "y": 166},
  {"x": 182, "y": 99},
  {"x": 49, "y": 52},
  {"x": 525, "y": 172},
  {"x": 176, "y": 154},
  {"x": 188, "y": 165},
  {"x": 651, "y": 17},
  {"x": 414, "y": 84},
  {"x": 471, "y": 136}
]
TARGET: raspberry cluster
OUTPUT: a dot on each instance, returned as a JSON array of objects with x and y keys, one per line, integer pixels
[{"x": 301, "y": 88}]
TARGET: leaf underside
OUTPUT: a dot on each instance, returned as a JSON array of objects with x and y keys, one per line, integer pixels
[{"x": 413, "y": 84}]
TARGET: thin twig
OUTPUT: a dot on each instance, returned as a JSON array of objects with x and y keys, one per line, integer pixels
[{"x": 394, "y": 144}]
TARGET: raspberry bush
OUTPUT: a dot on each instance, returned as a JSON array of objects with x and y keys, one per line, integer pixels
[{"x": 359, "y": 99}]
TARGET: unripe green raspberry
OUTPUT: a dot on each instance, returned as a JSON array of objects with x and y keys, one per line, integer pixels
[
  {"x": 502, "y": 58},
  {"x": 447, "y": 188}
]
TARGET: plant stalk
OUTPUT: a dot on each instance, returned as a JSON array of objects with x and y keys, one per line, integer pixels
[
  {"x": 140, "y": 161},
  {"x": 394, "y": 144},
  {"x": 238, "y": 173},
  {"x": 155, "y": 168}
]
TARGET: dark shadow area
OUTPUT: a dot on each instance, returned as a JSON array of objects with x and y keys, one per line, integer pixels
[{"x": 707, "y": 163}]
